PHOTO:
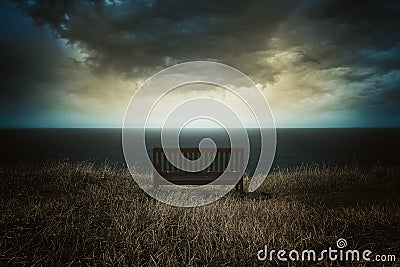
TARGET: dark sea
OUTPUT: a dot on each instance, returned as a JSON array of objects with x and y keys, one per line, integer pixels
[{"x": 336, "y": 146}]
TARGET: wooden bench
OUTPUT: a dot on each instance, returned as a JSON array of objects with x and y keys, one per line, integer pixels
[{"x": 206, "y": 175}]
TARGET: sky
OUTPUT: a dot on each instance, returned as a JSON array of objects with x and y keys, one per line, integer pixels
[{"x": 318, "y": 63}]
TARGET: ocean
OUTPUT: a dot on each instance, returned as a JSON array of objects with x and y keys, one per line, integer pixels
[{"x": 335, "y": 146}]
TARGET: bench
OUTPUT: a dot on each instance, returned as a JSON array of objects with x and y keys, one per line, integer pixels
[{"x": 207, "y": 175}]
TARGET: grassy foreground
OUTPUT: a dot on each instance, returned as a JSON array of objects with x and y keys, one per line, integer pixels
[{"x": 76, "y": 213}]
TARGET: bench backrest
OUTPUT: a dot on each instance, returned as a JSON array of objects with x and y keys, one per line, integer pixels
[{"x": 219, "y": 164}]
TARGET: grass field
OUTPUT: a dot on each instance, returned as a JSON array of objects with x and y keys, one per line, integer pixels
[{"x": 76, "y": 213}]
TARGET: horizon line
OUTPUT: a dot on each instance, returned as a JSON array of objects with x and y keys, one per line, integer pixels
[{"x": 194, "y": 128}]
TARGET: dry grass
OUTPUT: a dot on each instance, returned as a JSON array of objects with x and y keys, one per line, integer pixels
[{"x": 76, "y": 213}]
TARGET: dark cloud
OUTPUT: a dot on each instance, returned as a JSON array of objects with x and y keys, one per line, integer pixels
[
  {"x": 342, "y": 50},
  {"x": 29, "y": 62},
  {"x": 306, "y": 58},
  {"x": 358, "y": 44},
  {"x": 355, "y": 26},
  {"x": 133, "y": 35},
  {"x": 387, "y": 90}
]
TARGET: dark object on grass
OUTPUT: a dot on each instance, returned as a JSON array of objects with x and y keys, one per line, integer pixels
[{"x": 208, "y": 174}]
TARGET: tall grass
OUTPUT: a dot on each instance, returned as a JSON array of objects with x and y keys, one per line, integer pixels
[{"x": 76, "y": 213}]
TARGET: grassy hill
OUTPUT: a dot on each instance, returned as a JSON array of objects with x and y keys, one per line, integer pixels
[{"x": 71, "y": 213}]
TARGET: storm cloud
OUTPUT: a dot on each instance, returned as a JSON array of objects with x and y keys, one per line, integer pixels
[
  {"x": 132, "y": 36},
  {"x": 337, "y": 57}
]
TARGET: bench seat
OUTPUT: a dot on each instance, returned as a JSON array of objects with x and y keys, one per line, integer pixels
[{"x": 176, "y": 176}]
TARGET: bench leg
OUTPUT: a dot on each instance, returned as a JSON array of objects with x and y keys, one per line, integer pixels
[{"x": 239, "y": 185}]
